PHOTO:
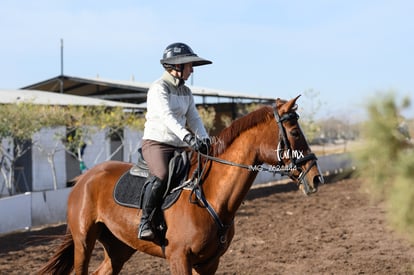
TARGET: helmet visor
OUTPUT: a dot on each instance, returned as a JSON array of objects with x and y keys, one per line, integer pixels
[{"x": 183, "y": 59}]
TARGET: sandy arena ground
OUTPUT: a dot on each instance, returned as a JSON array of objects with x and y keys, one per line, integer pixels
[{"x": 278, "y": 231}]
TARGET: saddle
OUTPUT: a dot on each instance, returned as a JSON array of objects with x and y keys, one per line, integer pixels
[
  {"x": 140, "y": 169},
  {"x": 128, "y": 190}
]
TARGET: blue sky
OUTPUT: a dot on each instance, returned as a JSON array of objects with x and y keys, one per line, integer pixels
[{"x": 345, "y": 51}]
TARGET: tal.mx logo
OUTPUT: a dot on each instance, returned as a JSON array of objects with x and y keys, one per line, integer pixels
[{"x": 288, "y": 154}]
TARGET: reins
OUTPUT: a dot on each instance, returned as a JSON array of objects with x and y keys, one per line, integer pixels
[
  {"x": 200, "y": 171},
  {"x": 283, "y": 135},
  {"x": 278, "y": 170}
]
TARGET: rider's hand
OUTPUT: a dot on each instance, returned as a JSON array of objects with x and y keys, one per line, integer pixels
[
  {"x": 192, "y": 140},
  {"x": 205, "y": 145},
  {"x": 207, "y": 141},
  {"x": 197, "y": 144}
]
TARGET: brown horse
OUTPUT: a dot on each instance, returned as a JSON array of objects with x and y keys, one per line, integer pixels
[{"x": 196, "y": 238}]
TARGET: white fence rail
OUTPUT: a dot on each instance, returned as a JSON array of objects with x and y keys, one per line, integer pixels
[{"x": 33, "y": 209}]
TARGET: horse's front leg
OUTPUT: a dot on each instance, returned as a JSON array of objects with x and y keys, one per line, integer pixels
[{"x": 179, "y": 264}]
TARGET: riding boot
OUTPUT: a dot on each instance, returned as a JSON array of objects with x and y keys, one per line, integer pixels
[{"x": 153, "y": 193}]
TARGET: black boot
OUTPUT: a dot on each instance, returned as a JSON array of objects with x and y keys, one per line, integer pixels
[{"x": 153, "y": 193}]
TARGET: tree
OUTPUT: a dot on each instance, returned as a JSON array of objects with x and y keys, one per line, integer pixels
[
  {"x": 17, "y": 125},
  {"x": 208, "y": 116},
  {"x": 50, "y": 150},
  {"x": 20, "y": 122},
  {"x": 308, "y": 114},
  {"x": 386, "y": 162},
  {"x": 115, "y": 120},
  {"x": 83, "y": 121}
]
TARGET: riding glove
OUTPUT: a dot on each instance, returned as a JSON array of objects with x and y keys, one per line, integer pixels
[{"x": 197, "y": 144}]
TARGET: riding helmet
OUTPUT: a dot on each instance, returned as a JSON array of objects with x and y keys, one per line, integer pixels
[{"x": 180, "y": 53}]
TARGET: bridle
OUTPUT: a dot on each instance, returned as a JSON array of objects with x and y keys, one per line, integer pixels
[{"x": 295, "y": 161}]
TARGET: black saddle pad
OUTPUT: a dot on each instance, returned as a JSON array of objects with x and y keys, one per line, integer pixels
[{"x": 128, "y": 190}]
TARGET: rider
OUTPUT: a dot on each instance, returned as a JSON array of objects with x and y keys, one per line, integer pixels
[{"x": 170, "y": 108}]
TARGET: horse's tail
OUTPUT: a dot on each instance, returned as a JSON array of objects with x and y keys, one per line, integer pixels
[{"x": 63, "y": 260}]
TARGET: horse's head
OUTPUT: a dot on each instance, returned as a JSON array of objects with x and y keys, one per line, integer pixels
[{"x": 292, "y": 154}]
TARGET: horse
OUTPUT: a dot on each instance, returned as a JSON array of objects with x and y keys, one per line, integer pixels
[{"x": 198, "y": 234}]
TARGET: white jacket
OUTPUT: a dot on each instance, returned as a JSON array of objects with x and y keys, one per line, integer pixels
[{"x": 170, "y": 107}]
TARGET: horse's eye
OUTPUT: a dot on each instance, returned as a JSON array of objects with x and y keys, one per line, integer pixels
[{"x": 295, "y": 133}]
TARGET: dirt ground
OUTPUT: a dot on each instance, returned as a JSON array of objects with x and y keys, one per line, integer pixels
[{"x": 278, "y": 231}]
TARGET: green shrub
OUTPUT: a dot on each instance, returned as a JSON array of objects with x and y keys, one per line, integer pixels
[{"x": 386, "y": 161}]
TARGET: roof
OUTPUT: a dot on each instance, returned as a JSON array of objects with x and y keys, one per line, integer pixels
[
  {"x": 50, "y": 98},
  {"x": 126, "y": 91}
]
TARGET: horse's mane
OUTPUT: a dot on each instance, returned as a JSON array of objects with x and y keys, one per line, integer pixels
[{"x": 227, "y": 135}]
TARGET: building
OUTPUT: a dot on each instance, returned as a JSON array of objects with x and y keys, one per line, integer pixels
[{"x": 225, "y": 103}]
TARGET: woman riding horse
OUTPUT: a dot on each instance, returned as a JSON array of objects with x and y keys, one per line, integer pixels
[
  {"x": 170, "y": 107},
  {"x": 200, "y": 224}
]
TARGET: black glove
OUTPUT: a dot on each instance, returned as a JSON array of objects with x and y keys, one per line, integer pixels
[
  {"x": 205, "y": 145},
  {"x": 197, "y": 144},
  {"x": 207, "y": 142},
  {"x": 192, "y": 141}
]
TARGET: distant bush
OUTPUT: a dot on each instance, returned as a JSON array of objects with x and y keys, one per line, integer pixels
[
  {"x": 386, "y": 162},
  {"x": 208, "y": 116}
]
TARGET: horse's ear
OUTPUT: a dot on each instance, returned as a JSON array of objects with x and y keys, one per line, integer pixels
[
  {"x": 280, "y": 102},
  {"x": 294, "y": 106},
  {"x": 287, "y": 106},
  {"x": 277, "y": 102}
]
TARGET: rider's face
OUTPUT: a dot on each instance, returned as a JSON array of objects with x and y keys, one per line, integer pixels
[{"x": 188, "y": 69}]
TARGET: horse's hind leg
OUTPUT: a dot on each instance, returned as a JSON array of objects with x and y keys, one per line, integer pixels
[
  {"x": 116, "y": 253},
  {"x": 84, "y": 240}
]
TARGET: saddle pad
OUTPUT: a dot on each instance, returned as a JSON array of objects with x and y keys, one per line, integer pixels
[{"x": 128, "y": 190}]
